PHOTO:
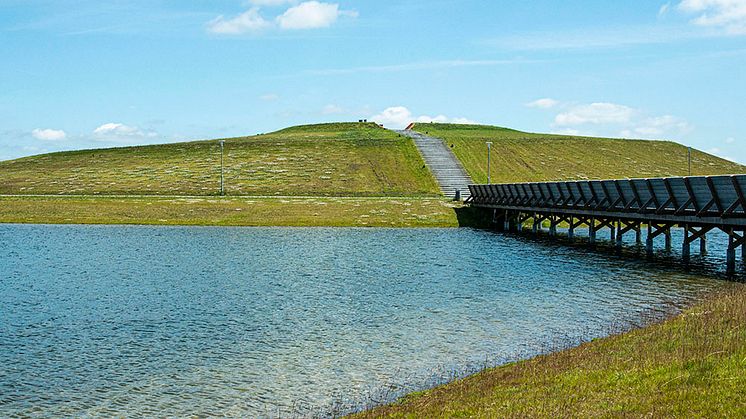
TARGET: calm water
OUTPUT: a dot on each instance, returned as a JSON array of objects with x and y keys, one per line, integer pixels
[{"x": 248, "y": 322}]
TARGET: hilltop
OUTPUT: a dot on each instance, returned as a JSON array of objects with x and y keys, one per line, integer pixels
[{"x": 527, "y": 157}]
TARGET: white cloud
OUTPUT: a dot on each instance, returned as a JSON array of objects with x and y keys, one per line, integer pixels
[
  {"x": 612, "y": 119},
  {"x": 569, "y": 131},
  {"x": 306, "y": 15},
  {"x": 400, "y": 117},
  {"x": 730, "y": 140},
  {"x": 120, "y": 132},
  {"x": 312, "y": 14},
  {"x": 544, "y": 103},
  {"x": 270, "y": 97},
  {"x": 658, "y": 126},
  {"x": 248, "y": 21},
  {"x": 595, "y": 113},
  {"x": 49, "y": 134},
  {"x": 664, "y": 9},
  {"x": 727, "y": 14}
]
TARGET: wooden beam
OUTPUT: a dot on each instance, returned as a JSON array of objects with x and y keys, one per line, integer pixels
[{"x": 696, "y": 234}]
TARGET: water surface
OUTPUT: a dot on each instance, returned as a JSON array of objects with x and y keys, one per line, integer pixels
[{"x": 105, "y": 320}]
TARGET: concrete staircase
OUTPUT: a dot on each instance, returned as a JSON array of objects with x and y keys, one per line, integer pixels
[{"x": 443, "y": 164}]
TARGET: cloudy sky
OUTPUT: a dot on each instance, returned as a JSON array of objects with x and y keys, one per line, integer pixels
[{"x": 88, "y": 73}]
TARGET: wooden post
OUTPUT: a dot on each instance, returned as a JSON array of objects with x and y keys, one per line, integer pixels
[
  {"x": 513, "y": 223},
  {"x": 619, "y": 236},
  {"x": 222, "y": 178},
  {"x": 612, "y": 227},
  {"x": 498, "y": 219},
  {"x": 686, "y": 249},
  {"x": 703, "y": 245},
  {"x": 592, "y": 232},
  {"x": 649, "y": 244},
  {"x": 571, "y": 231},
  {"x": 731, "y": 256},
  {"x": 638, "y": 234},
  {"x": 552, "y": 225},
  {"x": 668, "y": 239}
]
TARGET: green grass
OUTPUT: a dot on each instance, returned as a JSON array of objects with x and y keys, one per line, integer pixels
[
  {"x": 524, "y": 157},
  {"x": 693, "y": 365},
  {"x": 336, "y": 212},
  {"x": 323, "y": 160},
  {"x": 347, "y": 159}
]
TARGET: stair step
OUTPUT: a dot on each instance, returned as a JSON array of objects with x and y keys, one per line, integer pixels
[{"x": 445, "y": 167}]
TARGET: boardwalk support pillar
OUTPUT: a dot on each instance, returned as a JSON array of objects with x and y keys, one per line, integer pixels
[
  {"x": 668, "y": 240},
  {"x": 703, "y": 245},
  {"x": 592, "y": 232},
  {"x": 649, "y": 241},
  {"x": 655, "y": 230},
  {"x": 734, "y": 241},
  {"x": 690, "y": 235},
  {"x": 638, "y": 234},
  {"x": 622, "y": 229},
  {"x": 594, "y": 226},
  {"x": 498, "y": 219},
  {"x": 553, "y": 221},
  {"x": 731, "y": 253}
]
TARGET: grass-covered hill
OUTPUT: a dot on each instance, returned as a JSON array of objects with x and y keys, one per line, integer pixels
[
  {"x": 524, "y": 157},
  {"x": 347, "y": 159},
  {"x": 343, "y": 159}
]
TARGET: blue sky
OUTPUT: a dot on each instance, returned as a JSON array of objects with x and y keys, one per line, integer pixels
[{"x": 82, "y": 74}]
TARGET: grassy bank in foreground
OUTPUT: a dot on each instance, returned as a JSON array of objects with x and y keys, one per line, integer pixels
[
  {"x": 526, "y": 157},
  {"x": 693, "y": 365},
  {"x": 333, "y": 212}
]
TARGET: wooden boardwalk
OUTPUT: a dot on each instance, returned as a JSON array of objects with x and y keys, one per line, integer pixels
[{"x": 698, "y": 205}]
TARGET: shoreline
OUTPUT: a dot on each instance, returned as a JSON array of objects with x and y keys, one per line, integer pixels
[
  {"x": 629, "y": 373},
  {"x": 243, "y": 211}
]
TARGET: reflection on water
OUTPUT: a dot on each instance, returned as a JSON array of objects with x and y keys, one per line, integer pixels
[{"x": 136, "y": 321}]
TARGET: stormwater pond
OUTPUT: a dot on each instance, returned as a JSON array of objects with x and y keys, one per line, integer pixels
[{"x": 265, "y": 322}]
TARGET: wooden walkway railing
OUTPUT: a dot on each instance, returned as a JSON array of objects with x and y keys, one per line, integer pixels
[{"x": 697, "y": 204}]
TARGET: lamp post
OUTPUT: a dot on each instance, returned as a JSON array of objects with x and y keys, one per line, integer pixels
[
  {"x": 689, "y": 159},
  {"x": 489, "y": 154},
  {"x": 222, "y": 179}
]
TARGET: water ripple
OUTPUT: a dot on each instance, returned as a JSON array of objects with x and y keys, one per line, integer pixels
[{"x": 172, "y": 321}]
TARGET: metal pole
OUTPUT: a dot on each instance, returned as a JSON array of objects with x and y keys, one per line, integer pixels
[
  {"x": 689, "y": 159},
  {"x": 222, "y": 178},
  {"x": 489, "y": 154}
]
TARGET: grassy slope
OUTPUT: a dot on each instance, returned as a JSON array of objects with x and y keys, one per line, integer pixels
[
  {"x": 693, "y": 365},
  {"x": 525, "y": 157},
  {"x": 333, "y": 212},
  {"x": 318, "y": 160}
]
